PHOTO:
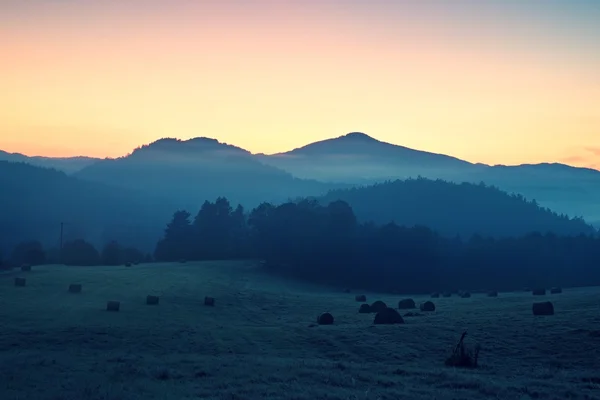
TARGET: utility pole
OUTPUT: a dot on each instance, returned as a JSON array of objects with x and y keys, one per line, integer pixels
[{"x": 60, "y": 260}]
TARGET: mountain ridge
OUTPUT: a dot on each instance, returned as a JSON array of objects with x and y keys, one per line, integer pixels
[{"x": 351, "y": 159}]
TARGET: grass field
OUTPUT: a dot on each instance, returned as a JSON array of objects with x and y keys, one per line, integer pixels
[{"x": 260, "y": 342}]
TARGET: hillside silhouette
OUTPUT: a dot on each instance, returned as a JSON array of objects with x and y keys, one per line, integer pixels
[
  {"x": 66, "y": 164},
  {"x": 213, "y": 169},
  {"x": 34, "y": 201},
  {"x": 357, "y": 158},
  {"x": 455, "y": 209},
  {"x": 194, "y": 170}
]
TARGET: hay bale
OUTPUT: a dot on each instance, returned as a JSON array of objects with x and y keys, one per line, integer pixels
[
  {"x": 435, "y": 295},
  {"x": 364, "y": 309},
  {"x": 447, "y": 294},
  {"x": 428, "y": 306},
  {"x": 26, "y": 267},
  {"x": 543, "y": 308},
  {"x": 75, "y": 288},
  {"x": 556, "y": 290},
  {"x": 465, "y": 295},
  {"x": 182, "y": 261},
  {"x": 20, "y": 282},
  {"x": 389, "y": 316},
  {"x": 152, "y": 300},
  {"x": 128, "y": 264},
  {"x": 406, "y": 304},
  {"x": 113, "y": 306},
  {"x": 361, "y": 298},
  {"x": 209, "y": 301},
  {"x": 493, "y": 293},
  {"x": 325, "y": 319},
  {"x": 378, "y": 306},
  {"x": 539, "y": 292}
]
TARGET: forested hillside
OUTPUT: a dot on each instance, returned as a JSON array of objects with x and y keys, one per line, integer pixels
[
  {"x": 326, "y": 244},
  {"x": 34, "y": 201},
  {"x": 455, "y": 209}
]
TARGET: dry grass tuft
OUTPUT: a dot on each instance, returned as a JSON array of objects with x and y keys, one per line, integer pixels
[{"x": 463, "y": 358}]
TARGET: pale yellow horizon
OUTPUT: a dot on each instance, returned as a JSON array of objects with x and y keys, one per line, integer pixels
[{"x": 490, "y": 84}]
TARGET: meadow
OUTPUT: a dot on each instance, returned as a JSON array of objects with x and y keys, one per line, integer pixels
[{"x": 261, "y": 341}]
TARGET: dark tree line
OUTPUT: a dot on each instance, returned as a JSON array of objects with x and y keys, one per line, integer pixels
[
  {"x": 326, "y": 244},
  {"x": 75, "y": 252}
]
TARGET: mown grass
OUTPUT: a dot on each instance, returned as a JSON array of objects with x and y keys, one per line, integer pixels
[{"x": 260, "y": 340}]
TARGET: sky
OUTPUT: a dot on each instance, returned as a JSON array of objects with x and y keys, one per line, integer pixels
[{"x": 497, "y": 81}]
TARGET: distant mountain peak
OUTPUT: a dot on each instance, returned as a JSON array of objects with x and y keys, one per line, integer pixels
[
  {"x": 358, "y": 136},
  {"x": 189, "y": 146}
]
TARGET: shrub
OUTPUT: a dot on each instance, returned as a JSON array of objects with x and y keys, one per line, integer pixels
[{"x": 463, "y": 358}]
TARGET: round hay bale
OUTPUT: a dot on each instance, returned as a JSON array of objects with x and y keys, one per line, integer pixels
[
  {"x": 493, "y": 293},
  {"x": 360, "y": 298},
  {"x": 539, "y": 292},
  {"x": 378, "y": 306},
  {"x": 128, "y": 264},
  {"x": 389, "y": 316},
  {"x": 26, "y": 267},
  {"x": 364, "y": 309},
  {"x": 447, "y": 294},
  {"x": 20, "y": 282},
  {"x": 406, "y": 304},
  {"x": 435, "y": 295},
  {"x": 428, "y": 306},
  {"x": 209, "y": 301},
  {"x": 556, "y": 290},
  {"x": 75, "y": 288},
  {"x": 113, "y": 306},
  {"x": 543, "y": 308},
  {"x": 152, "y": 300},
  {"x": 325, "y": 319},
  {"x": 465, "y": 295}
]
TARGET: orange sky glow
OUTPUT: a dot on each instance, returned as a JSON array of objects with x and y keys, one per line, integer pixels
[{"x": 508, "y": 82}]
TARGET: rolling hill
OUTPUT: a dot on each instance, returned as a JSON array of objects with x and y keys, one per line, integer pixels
[
  {"x": 34, "y": 201},
  {"x": 68, "y": 165},
  {"x": 191, "y": 171},
  {"x": 455, "y": 209},
  {"x": 357, "y": 158},
  {"x": 200, "y": 169}
]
